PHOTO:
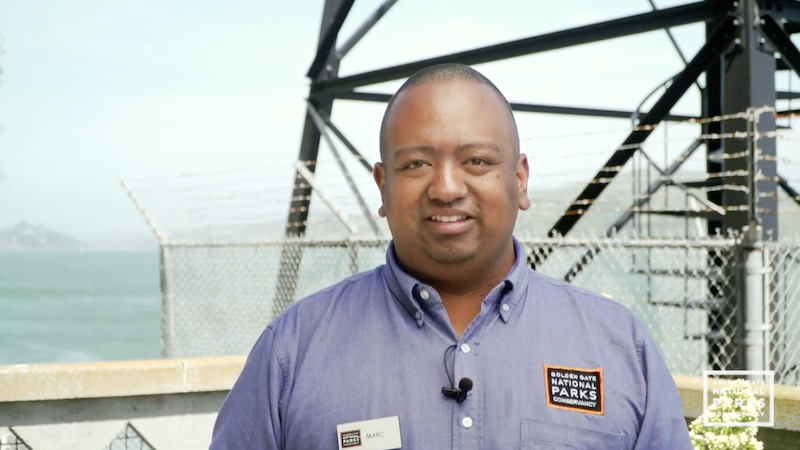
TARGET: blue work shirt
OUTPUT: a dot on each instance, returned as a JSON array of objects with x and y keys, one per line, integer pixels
[{"x": 552, "y": 366}]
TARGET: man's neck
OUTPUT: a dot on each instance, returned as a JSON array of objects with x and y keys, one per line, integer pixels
[{"x": 463, "y": 288}]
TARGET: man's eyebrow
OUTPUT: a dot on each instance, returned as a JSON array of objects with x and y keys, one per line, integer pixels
[
  {"x": 415, "y": 149},
  {"x": 427, "y": 149},
  {"x": 478, "y": 145}
]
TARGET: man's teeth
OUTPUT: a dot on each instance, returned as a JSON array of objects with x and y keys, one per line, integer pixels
[{"x": 448, "y": 218}]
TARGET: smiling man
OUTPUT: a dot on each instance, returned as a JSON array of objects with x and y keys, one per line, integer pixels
[{"x": 454, "y": 343}]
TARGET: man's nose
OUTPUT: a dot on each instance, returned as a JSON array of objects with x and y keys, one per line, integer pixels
[{"x": 448, "y": 184}]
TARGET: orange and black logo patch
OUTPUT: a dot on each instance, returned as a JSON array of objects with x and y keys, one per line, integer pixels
[{"x": 574, "y": 389}]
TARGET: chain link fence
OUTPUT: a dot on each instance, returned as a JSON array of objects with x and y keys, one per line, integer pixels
[
  {"x": 784, "y": 312},
  {"x": 218, "y": 297}
]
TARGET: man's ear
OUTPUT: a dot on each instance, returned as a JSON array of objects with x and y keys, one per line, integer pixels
[
  {"x": 522, "y": 174},
  {"x": 379, "y": 174}
]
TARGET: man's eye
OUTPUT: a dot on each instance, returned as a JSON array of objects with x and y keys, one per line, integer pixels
[
  {"x": 477, "y": 161},
  {"x": 414, "y": 165}
]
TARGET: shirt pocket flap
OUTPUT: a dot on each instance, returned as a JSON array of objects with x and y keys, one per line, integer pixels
[{"x": 551, "y": 435}]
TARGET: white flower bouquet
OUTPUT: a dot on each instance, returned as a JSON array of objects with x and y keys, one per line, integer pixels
[{"x": 736, "y": 405}]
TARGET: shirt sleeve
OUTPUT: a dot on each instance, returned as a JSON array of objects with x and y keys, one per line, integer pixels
[
  {"x": 250, "y": 415},
  {"x": 663, "y": 425}
]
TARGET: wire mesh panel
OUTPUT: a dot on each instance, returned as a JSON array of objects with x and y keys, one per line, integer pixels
[
  {"x": 129, "y": 439},
  {"x": 665, "y": 283},
  {"x": 219, "y": 297},
  {"x": 784, "y": 313},
  {"x": 9, "y": 440}
]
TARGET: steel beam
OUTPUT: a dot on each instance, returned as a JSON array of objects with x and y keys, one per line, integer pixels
[
  {"x": 626, "y": 26},
  {"x": 522, "y": 107},
  {"x": 746, "y": 80},
  {"x": 331, "y": 25},
  {"x": 591, "y": 112},
  {"x": 783, "y": 95},
  {"x": 625, "y": 217},
  {"x": 671, "y": 37},
  {"x": 364, "y": 29},
  {"x": 749, "y": 82},
  {"x": 791, "y": 27},
  {"x": 718, "y": 328},
  {"x": 789, "y": 189},
  {"x": 330, "y": 202},
  {"x": 785, "y": 9},
  {"x": 713, "y": 48},
  {"x": 712, "y": 107},
  {"x": 291, "y": 255},
  {"x": 781, "y": 42},
  {"x": 363, "y": 161},
  {"x": 708, "y": 182},
  {"x": 320, "y": 123}
]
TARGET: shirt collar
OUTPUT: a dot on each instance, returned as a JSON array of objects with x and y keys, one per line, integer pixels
[{"x": 415, "y": 296}]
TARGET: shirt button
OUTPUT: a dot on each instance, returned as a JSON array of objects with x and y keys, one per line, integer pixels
[
  {"x": 418, "y": 315},
  {"x": 466, "y": 422},
  {"x": 465, "y": 348},
  {"x": 424, "y": 295},
  {"x": 506, "y": 307}
]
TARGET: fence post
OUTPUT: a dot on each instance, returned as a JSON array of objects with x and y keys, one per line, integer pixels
[
  {"x": 352, "y": 251},
  {"x": 757, "y": 272},
  {"x": 289, "y": 271},
  {"x": 167, "y": 345}
]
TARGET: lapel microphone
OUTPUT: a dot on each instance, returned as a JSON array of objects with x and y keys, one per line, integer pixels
[
  {"x": 460, "y": 394},
  {"x": 464, "y": 385}
]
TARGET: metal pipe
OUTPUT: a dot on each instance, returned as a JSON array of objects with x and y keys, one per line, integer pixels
[{"x": 756, "y": 293}]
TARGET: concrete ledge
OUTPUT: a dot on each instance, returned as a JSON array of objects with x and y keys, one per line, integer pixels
[
  {"x": 25, "y": 383},
  {"x": 53, "y": 382}
]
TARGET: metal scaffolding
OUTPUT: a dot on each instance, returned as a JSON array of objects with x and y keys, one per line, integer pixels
[{"x": 747, "y": 41}]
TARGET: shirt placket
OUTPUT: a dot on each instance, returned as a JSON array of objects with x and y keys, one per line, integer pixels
[
  {"x": 467, "y": 420},
  {"x": 468, "y": 417}
]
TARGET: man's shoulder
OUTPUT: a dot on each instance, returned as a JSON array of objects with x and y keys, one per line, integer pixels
[{"x": 561, "y": 295}]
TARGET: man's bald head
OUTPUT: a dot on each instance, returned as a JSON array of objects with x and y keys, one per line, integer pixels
[{"x": 444, "y": 73}]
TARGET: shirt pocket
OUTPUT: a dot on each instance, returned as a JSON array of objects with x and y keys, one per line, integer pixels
[{"x": 542, "y": 435}]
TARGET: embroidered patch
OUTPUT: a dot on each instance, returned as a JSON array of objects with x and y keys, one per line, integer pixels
[
  {"x": 574, "y": 389},
  {"x": 351, "y": 438}
]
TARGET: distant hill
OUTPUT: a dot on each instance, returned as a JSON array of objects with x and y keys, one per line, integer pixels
[{"x": 26, "y": 236}]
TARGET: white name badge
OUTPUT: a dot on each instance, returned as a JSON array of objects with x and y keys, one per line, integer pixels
[{"x": 377, "y": 434}]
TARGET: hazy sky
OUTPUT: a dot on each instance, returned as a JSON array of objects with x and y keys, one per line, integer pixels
[{"x": 98, "y": 91}]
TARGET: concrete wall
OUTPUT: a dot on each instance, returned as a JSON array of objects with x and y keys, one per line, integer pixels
[{"x": 172, "y": 404}]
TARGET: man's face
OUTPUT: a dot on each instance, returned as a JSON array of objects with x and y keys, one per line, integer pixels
[{"x": 450, "y": 180}]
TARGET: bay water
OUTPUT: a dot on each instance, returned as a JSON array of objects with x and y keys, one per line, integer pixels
[{"x": 77, "y": 306}]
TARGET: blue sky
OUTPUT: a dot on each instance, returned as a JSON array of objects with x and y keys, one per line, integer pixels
[{"x": 98, "y": 91}]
